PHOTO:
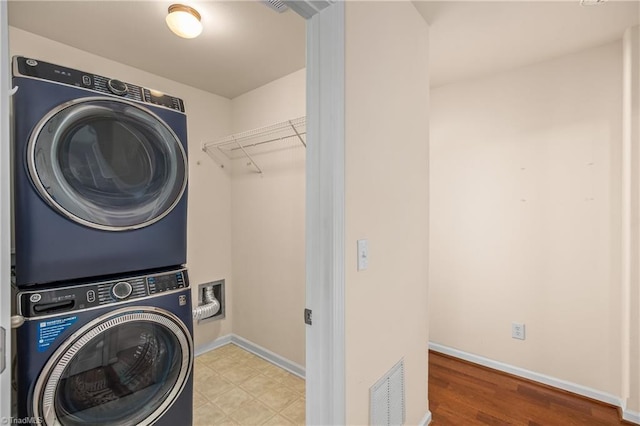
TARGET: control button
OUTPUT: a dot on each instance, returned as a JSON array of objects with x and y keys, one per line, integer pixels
[
  {"x": 117, "y": 87},
  {"x": 121, "y": 290},
  {"x": 35, "y": 298},
  {"x": 86, "y": 80},
  {"x": 91, "y": 296},
  {"x": 31, "y": 62}
]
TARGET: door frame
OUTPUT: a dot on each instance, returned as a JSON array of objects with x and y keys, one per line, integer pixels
[
  {"x": 325, "y": 211},
  {"x": 5, "y": 217}
]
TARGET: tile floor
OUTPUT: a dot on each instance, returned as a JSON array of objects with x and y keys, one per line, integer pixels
[{"x": 235, "y": 387}]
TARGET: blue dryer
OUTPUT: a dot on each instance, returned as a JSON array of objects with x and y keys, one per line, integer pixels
[
  {"x": 116, "y": 352},
  {"x": 100, "y": 175}
]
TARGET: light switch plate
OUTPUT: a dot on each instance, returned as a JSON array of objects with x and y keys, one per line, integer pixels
[{"x": 363, "y": 255}]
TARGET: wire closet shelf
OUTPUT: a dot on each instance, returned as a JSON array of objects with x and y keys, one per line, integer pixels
[{"x": 286, "y": 134}]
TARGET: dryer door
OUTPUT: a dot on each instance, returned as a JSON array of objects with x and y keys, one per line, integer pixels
[
  {"x": 125, "y": 368},
  {"x": 107, "y": 163}
]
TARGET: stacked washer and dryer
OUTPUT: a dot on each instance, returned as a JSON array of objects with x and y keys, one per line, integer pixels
[{"x": 100, "y": 211}]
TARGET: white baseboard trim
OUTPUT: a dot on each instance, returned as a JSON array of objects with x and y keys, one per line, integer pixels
[
  {"x": 266, "y": 354},
  {"x": 220, "y": 341},
  {"x": 255, "y": 349},
  {"x": 426, "y": 419},
  {"x": 531, "y": 375},
  {"x": 631, "y": 416}
]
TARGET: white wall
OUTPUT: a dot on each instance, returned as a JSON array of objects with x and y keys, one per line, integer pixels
[
  {"x": 525, "y": 220},
  {"x": 208, "y": 117},
  {"x": 386, "y": 201},
  {"x": 268, "y": 225}
]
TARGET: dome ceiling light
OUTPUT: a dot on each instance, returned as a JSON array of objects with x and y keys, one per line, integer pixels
[{"x": 184, "y": 21}]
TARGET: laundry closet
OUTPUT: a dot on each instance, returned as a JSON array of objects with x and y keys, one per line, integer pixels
[{"x": 245, "y": 199}]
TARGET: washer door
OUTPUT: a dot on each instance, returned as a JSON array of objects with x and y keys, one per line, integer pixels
[
  {"x": 107, "y": 163},
  {"x": 125, "y": 368}
]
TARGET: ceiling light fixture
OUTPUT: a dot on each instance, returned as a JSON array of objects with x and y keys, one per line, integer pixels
[{"x": 184, "y": 21}]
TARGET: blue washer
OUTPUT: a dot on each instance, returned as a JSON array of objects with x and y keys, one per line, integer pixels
[{"x": 122, "y": 357}]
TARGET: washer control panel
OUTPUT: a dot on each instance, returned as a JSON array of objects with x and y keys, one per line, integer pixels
[
  {"x": 113, "y": 291},
  {"x": 37, "y": 303},
  {"x": 51, "y": 72}
]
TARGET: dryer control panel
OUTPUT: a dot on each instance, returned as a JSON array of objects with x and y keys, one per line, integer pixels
[
  {"x": 46, "y": 71},
  {"x": 82, "y": 296}
]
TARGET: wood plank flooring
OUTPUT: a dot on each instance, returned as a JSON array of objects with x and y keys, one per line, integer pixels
[{"x": 462, "y": 393}]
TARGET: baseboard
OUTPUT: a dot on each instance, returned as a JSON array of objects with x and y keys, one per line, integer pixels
[
  {"x": 426, "y": 419},
  {"x": 266, "y": 354},
  {"x": 255, "y": 349},
  {"x": 531, "y": 375},
  {"x": 631, "y": 416},
  {"x": 220, "y": 341}
]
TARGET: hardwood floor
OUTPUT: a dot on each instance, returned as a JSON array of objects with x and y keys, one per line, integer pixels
[{"x": 462, "y": 393}]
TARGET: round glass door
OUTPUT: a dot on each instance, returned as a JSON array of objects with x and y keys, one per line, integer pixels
[
  {"x": 125, "y": 369},
  {"x": 107, "y": 163}
]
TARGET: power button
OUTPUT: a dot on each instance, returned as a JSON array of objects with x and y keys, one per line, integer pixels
[{"x": 86, "y": 80}]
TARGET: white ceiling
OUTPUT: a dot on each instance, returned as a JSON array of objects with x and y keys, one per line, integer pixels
[
  {"x": 471, "y": 39},
  {"x": 245, "y": 44}
]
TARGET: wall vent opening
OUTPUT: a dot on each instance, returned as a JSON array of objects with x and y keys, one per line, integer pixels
[
  {"x": 277, "y": 5},
  {"x": 211, "y": 302},
  {"x": 387, "y": 398}
]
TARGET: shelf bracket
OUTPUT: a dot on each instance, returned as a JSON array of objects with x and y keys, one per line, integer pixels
[
  {"x": 297, "y": 134},
  {"x": 248, "y": 156}
]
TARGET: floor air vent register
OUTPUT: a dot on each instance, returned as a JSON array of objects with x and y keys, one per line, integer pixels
[{"x": 387, "y": 398}]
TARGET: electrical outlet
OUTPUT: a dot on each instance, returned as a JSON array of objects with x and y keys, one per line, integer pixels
[{"x": 517, "y": 330}]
